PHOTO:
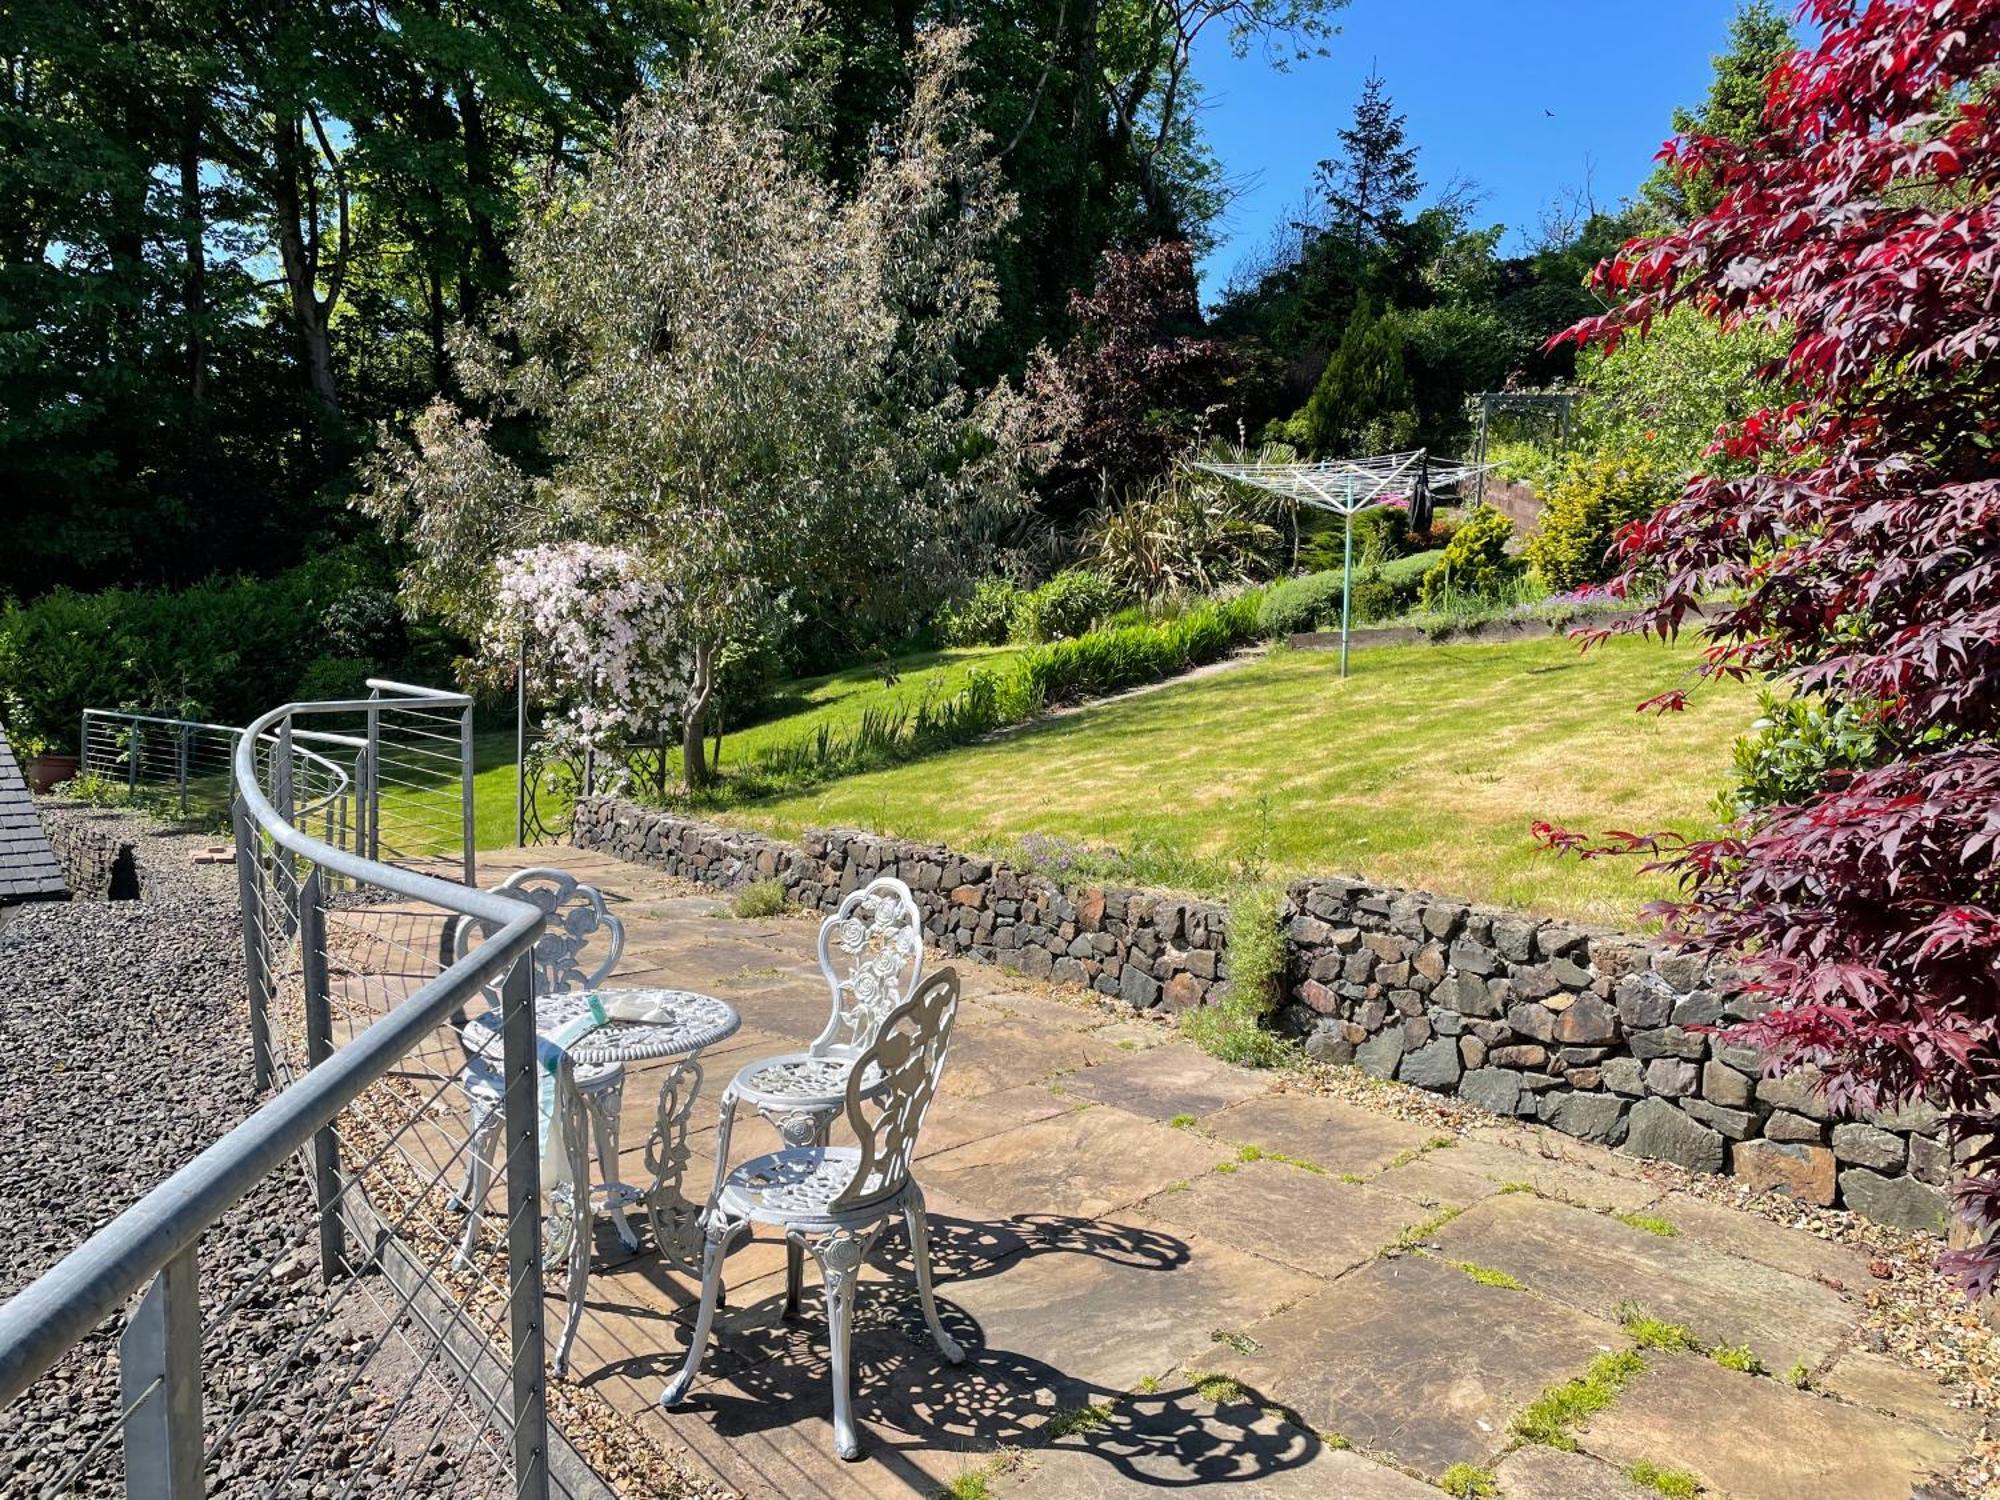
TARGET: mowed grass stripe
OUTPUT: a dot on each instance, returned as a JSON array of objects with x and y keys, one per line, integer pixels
[{"x": 1425, "y": 768}]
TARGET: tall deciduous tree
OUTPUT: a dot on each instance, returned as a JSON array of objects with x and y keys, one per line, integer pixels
[
  {"x": 750, "y": 380},
  {"x": 1865, "y": 218}
]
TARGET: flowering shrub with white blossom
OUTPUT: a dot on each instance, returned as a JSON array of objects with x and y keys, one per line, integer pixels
[{"x": 605, "y": 631}]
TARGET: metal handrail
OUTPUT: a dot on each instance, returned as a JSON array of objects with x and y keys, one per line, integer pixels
[
  {"x": 340, "y": 782},
  {"x": 43, "y": 1321}
]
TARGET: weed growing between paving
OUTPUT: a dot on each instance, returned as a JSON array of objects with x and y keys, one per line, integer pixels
[
  {"x": 1282, "y": 1158},
  {"x": 1221, "y": 1390},
  {"x": 1651, "y": 1223},
  {"x": 1242, "y": 1343},
  {"x": 1656, "y": 1333},
  {"x": 1468, "y": 1483},
  {"x": 1404, "y": 1158},
  {"x": 1487, "y": 1275},
  {"x": 1738, "y": 1357},
  {"x": 1676, "y": 1484},
  {"x": 1077, "y": 1419},
  {"x": 1552, "y": 1416},
  {"x": 1418, "y": 1234},
  {"x": 761, "y": 898}
]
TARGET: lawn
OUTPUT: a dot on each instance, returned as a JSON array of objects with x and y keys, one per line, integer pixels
[
  {"x": 1425, "y": 768},
  {"x": 840, "y": 698}
]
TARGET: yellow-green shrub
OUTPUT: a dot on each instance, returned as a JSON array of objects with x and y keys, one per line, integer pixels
[
  {"x": 1594, "y": 496},
  {"x": 1476, "y": 560}
]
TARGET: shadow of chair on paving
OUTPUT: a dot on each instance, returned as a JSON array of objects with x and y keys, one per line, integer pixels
[
  {"x": 962, "y": 1249},
  {"x": 766, "y": 1372}
]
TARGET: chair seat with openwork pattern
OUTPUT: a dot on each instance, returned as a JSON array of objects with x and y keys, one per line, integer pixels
[
  {"x": 800, "y": 1081},
  {"x": 795, "y": 1186}
]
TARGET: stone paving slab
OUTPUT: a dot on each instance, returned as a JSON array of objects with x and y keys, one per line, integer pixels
[
  {"x": 956, "y": 1122},
  {"x": 1166, "y": 1082},
  {"x": 1412, "y": 1360},
  {"x": 1882, "y": 1385},
  {"x": 1101, "y": 1323},
  {"x": 1175, "y": 1440},
  {"x": 1756, "y": 1238},
  {"x": 1595, "y": 1262},
  {"x": 1090, "y": 1162},
  {"x": 1009, "y": 1053},
  {"x": 1537, "y": 1473},
  {"x": 1325, "y": 1132},
  {"x": 1574, "y": 1173},
  {"x": 1309, "y": 1221},
  {"x": 1748, "y": 1438},
  {"x": 1432, "y": 1179}
]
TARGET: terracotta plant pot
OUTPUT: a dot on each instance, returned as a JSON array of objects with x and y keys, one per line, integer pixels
[{"x": 50, "y": 770}]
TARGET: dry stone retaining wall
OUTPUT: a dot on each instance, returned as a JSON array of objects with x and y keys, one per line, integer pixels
[
  {"x": 1595, "y": 1033},
  {"x": 98, "y": 862}
]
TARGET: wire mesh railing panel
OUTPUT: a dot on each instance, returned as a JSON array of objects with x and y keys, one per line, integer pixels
[
  {"x": 422, "y": 769},
  {"x": 319, "y": 1311},
  {"x": 179, "y": 768}
]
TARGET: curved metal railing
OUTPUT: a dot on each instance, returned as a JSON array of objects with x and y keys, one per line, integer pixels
[
  {"x": 335, "y": 942},
  {"x": 188, "y": 764}
]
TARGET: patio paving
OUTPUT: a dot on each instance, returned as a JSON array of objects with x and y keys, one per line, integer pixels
[{"x": 1151, "y": 1306}]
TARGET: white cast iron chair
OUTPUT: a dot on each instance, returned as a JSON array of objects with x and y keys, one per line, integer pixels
[
  {"x": 576, "y": 919},
  {"x": 871, "y": 951},
  {"x": 835, "y": 1200}
]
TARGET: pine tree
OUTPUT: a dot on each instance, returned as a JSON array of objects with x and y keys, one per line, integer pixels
[
  {"x": 1759, "y": 39},
  {"x": 1368, "y": 184}
]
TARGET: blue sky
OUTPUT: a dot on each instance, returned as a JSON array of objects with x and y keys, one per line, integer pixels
[{"x": 1474, "y": 78}]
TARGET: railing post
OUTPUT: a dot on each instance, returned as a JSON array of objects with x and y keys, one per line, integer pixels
[
  {"x": 372, "y": 846},
  {"x": 181, "y": 764},
  {"x": 83, "y": 745},
  {"x": 254, "y": 978},
  {"x": 159, "y": 1377},
  {"x": 319, "y": 1047},
  {"x": 135, "y": 746},
  {"x": 522, "y": 1158},
  {"x": 287, "y": 805},
  {"x": 467, "y": 812},
  {"x": 521, "y": 741}
]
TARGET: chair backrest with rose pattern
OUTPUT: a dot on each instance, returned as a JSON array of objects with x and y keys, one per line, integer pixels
[
  {"x": 578, "y": 923},
  {"x": 872, "y": 953},
  {"x": 889, "y": 1091}
]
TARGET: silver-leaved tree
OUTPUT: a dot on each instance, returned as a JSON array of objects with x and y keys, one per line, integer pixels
[{"x": 745, "y": 383}]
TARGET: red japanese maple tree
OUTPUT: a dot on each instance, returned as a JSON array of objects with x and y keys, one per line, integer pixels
[{"x": 1862, "y": 560}]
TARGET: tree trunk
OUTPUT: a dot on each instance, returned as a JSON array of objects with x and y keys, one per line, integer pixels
[
  {"x": 694, "y": 740},
  {"x": 482, "y": 192},
  {"x": 300, "y": 260},
  {"x": 194, "y": 277}
]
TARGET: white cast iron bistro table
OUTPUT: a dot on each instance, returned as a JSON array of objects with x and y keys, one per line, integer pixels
[{"x": 689, "y": 1022}]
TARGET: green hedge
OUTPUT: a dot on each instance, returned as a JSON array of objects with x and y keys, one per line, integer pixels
[{"x": 226, "y": 650}]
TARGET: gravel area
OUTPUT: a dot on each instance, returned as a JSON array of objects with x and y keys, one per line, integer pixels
[{"x": 126, "y": 1052}]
